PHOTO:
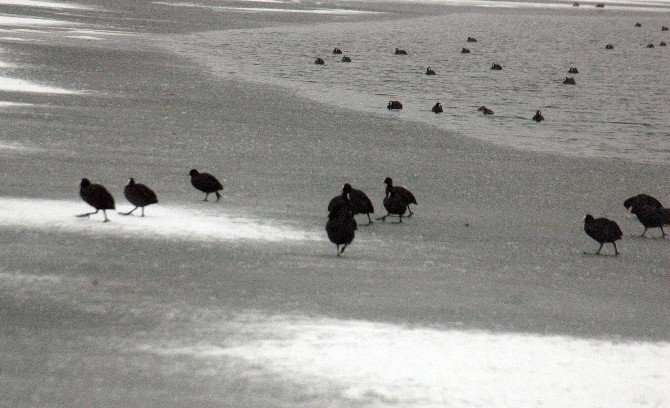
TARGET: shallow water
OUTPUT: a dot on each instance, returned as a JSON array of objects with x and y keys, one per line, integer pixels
[{"x": 618, "y": 108}]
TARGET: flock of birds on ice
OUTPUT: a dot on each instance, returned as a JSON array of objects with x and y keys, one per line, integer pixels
[{"x": 341, "y": 226}]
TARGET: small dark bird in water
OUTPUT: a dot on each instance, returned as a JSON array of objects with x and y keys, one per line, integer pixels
[
  {"x": 319, "y": 61},
  {"x": 538, "y": 116},
  {"x": 429, "y": 71},
  {"x": 664, "y": 28},
  {"x": 573, "y": 70},
  {"x": 650, "y": 45},
  {"x": 663, "y": 44},
  {"x": 472, "y": 39},
  {"x": 651, "y": 217},
  {"x": 206, "y": 183},
  {"x": 609, "y": 47},
  {"x": 575, "y": 4},
  {"x": 138, "y": 195},
  {"x": 485, "y": 110},
  {"x": 437, "y": 108},
  {"x": 337, "y": 51},
  {"x": 346, "y": 59},
  {"x": 638, "y": 25},
  {"x": 496, "y": 67},
  {"x": 97, "y": 197},
  {"x": 465, "y": 51},
  {"x": 341, "y": 228},
  {"x": 395, "y": 198},
  {"x": 398, "y": 51},
  {"x": 603, "y": 231},
  {"x": 394, "y": 105},
  {"x": 600, "y": 5},
  {"x": 635, "y": 203},
  {"x": 569, "y": 81}
]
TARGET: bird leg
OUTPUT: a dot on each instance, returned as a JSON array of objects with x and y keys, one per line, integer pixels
[
  {"x": 142, "y": 211},
  {"x": 616, "y": 252},
  {"x": 369, "y": 219},
  {"x": 644, "y": 232},
  {"x": 384, "y": 217},
  {"x": 400, "y": 219},
  {"x": 662, "y": 231},
  {"x": 218, "y": 196},
  {"x": 338, "y": 249},
  {"x": 130, "y": 212},
  {"x": 87, "y": 214},
  {"x": 601, "y": 247},
  {"x": 410, "y": 211},
  {"x": 206, "y": 195},
  {"x": 105, "y": 214},
  {"x": 343, "y": 246}
]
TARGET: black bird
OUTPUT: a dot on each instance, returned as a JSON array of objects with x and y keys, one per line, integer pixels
[
  {"x": 346, "y": 59},
  {"x": 472, "y": 39},
  {"x": 538, "y": 116},
  {"x": 650, "y": 45},
  {"x": 465, "y": 51},
  {"x": 569, "y": 81},
  {"x": 319, "y": 61},
  {"x": 206, "y": 183},
  {"x": 341, "y": 227},
  {"x": 609, "y": 47},
  {"x": 638, "y": 25},
  {"x": 337, "y": 51},
  {"x": 573, "y": 70},
  {"x": 496, "y": 67},
  {"x": 360, "y": 202},
  {"x": 485, "y": 110},
  {"x": 603, "y": 231},
  {"x": 663, "y": 44},
  {"x": 138, "y": 195},
  {"x": 651, "y": 217},
  {"x": 429, "y": 71},
  {"x": 97, "y": 197},
  {"x": 664, "y": 28},
  {"x": 341, "y": 202},
  {"x": 635, "y": 203},
  {"x": 400, "y": 52},
  {"x": 437, "y": 108},
  {"x": 395, "y": 196},
  {"x": 394, "y": 105}
]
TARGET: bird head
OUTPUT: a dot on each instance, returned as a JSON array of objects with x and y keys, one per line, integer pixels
[
  {"x": 131, "y": 181},
  {"x": 85, "y": 182},
  {"x": 193, "y": 172}
]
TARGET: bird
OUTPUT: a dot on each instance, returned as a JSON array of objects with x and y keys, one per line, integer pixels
[
  {"x": 346, "y": 59},
  {"x": 342, "y": 201},
  {"x": 437, "y": 108},
  {"x": 573, "y": 70},
  {"x": 430, "y": 71},
  {"x": 609, "y": 47},
  {"x": 319, "y": 61},
  {"x": 635, "y": 203},
  {"x": 638, "y": 25},
  {"x": 652, "y": 217},
  {"x": 650, "y": 45},
  {"x": 97, "y": 197},
  {"x": 664, "y": 28},
  {"x": 394, "y": 105},
  {"x": 206, "y": 183},
  {"x": 602, "y": 230},
  {"x": 398, "y": 51},
  {"x": 472, "y": 39},
  {"x": 341, "y": 227},
  {"x": 485, "y": 110},
  {"x": 465, "y": 51},
  {"x": 138, "y": 195},
  {"x": 663, "y": 44},
  {"x": 396, "y": 197},
  {"x": 496, "y": 67},
  {"x": 337, "y": 51},
  {"x": 360, "y": 202},
  {"x": 538, "y": 116},
  {"x": 569, "y": 81}
]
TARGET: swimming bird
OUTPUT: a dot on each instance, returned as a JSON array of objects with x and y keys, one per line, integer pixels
[
  {"x": 472, "y": 39},
  {"x": 650, "y": 45},
  {"x": 538, "y": 116},
  {"x": 394, "y": 105},
  {"x": 663, "y": 44},
  {"x": 651, "y": 217},
  {"x": 346, "y": 59},
  {"x": 398, "y": 51},
  {"x": 496, "y": 67},
  {"x": 573, "y": 70},
  {"x": 664, "y": 28},
  {"x": 485, "y": 110},
  {"x": 635, "y": 203},
  {"x": 97, "y": 197},
  {"x": 395, "y": 195},
  {"x": 609, "y": 47},
  {"x": 638, "y": 25},
  {"x": 569, "y": 81},
  {"x": 600, "y": 5},
  {"x": 206, "y": 183},
  {"x": 465, "y": 51},
  {"x": 437, "y": 108},
  {"x": 341, "y": 228},
  {"x": 337, "y": 51},
  {"x": 319, "y": 61},
  {"x": 138, "y": 195},
  {"x": 603, "y": 231},
  {"x": 429, "y": 71}
]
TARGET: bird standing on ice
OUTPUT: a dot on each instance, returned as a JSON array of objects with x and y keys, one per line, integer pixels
[
  {"x": 138, "y": 195},
  {"x": 603, "y": 231},
  {"x": 97, "y": 197},
  {"x": 341, "y": 226},
  {"x": 206, "y": 183}
]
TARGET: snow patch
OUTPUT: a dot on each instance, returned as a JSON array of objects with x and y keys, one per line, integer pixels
[
  {"x": 269, "y": 10},
  {"x": 44, "y": 4},
  {"x": 9, "y": 20},
  {"x": 20, "y": 85}
]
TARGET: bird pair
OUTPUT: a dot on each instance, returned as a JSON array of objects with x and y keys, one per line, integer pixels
[{"x": 99, "y": 198}]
